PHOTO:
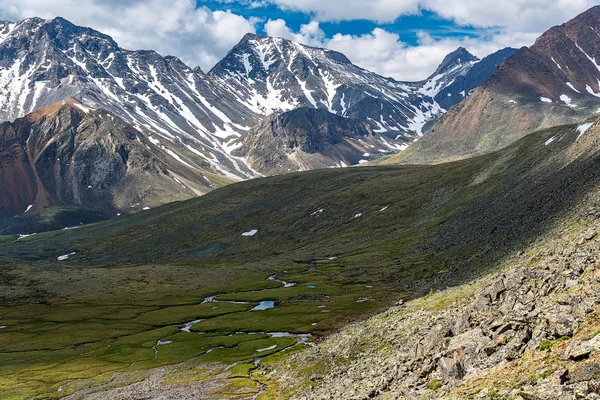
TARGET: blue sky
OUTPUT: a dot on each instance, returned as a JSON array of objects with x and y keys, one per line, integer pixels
[
  {"x": 403, "y": 39},
  {"x": 405, "y": 26}
]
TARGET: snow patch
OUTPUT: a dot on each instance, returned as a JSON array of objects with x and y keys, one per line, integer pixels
[
  {"x": 549, "y": 141},
  {"x": 250, "y": 233},
  {"x": 566, "y": 99},
  {"x": 582, "y": 129},
  {"x": 569, "y": 84},
  {"x": 65, "y": 257},
  {"x": 545, "y": 99}
]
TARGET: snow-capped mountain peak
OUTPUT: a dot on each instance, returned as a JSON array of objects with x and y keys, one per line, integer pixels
[{"x": 457, "y": 59}]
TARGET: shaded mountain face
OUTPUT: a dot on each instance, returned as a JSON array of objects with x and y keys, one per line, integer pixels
[
  {"x": 555, "y": 81},
  {"x": 307, "y": 138},
  {"x": 69, "y": 154}
]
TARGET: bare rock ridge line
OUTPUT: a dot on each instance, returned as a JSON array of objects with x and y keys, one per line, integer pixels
[{"x": 69, "y": 153}]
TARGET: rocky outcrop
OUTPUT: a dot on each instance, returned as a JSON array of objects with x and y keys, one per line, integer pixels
[
  {"x": 305, "y": 139},
  {"x": 529, "y": 331}
]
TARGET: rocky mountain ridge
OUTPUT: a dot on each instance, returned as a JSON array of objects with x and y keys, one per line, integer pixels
[
  {"x": 555, "y": 81},
  {"x": 308, "y": 138},
  {"x": 69, "y": 153}
]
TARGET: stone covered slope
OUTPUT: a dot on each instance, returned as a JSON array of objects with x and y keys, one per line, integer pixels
[
  {"x": 307, "y": 138},
  {"x": 556, "y": 81},
  {"x": 70, "y": 154},
  {"x": 529, "y": 330}
]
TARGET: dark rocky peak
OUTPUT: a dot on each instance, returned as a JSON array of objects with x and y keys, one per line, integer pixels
[{"x": 458, "y": 57}]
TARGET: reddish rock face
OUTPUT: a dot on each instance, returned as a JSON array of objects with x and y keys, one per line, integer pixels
[
  {"x": 20, "y": 186},
  {"x": 70, "y": 154},
  {"x": 555, "y": 81}
]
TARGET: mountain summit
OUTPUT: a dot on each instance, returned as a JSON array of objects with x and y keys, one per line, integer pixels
[{"x": 457, "y": 58}]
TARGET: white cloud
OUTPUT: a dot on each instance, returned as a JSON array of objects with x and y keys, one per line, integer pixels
[
  {"x": 522, "y": 15},
  {"x": 310, "y": 34},
  {"x": 385, "y": 53},
  {"x": 198, "y": 35}
]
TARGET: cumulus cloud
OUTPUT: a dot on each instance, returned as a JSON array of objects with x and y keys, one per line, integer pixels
[
  {"x": 522, "y": 15},
  {"x": 385, "y": 53},
  {"x": 199, "y": 36},
  {"x": 310, "y": 34}
]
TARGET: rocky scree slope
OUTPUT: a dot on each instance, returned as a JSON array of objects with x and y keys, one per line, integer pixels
[
  {"x": 530, "y": 330},
  {"x": 553, "y": 82},
  {"x": 68, "y": 153}
]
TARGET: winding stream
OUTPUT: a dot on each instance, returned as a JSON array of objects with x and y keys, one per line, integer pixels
[{"x": 263, "y": 305}]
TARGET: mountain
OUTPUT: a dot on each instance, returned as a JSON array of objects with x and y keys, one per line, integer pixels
[
  {"x": 272, "y": 75},
  {"x": 68, "y": 153},
  {"x": 199, "y": 120},
  {"x": 307, "y": 138},
  {"x": 553, "y": 82},
  {"x": 46, "y": 61},
  {"x": 465, "y": 82}
]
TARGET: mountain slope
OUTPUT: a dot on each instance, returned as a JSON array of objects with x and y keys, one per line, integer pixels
[
  {"x": 527, "y": 331},
  {"x": 306, "y": 138},
  {"x": 553, "y": 82},
  {"x": 46, "y": 61},
  {"x": 69, "y": 154}
]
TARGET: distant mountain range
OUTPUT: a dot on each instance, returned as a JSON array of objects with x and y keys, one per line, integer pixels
[
  {"x": 207, "y": 124},
  {"x": 556, "y": 81}
]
